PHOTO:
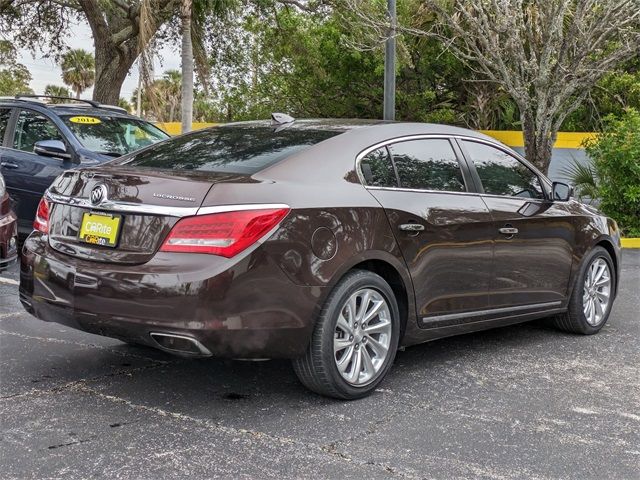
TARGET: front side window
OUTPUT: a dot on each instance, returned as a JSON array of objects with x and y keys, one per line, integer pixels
[
  {"x": 33, "y": 127},
  {"x": 503, "y": 174},
  {"x": 5, "y": 115},
  {"x": 377, "y": 169},
  {"x": 429, "y": 164},
  {"x": 113, "y": 136}
]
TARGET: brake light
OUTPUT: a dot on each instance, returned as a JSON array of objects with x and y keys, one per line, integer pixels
[
  {"x": 41, "y": 222},
  {"x": 225, "y": 234}
]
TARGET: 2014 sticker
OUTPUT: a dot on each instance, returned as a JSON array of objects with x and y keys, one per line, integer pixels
[{"x": 85, "y": 120}]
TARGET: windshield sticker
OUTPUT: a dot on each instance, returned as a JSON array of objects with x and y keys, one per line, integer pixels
[{"x": 85, "y": 120}]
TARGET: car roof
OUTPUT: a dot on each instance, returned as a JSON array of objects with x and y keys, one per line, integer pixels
[
  {"x": 331, "y": 124},
  {"x": 69, "y": 109},
  {"x": 374, "y": 128},
  {"x": 96, "y": 110},
  {"x": 338, "y": 153}
]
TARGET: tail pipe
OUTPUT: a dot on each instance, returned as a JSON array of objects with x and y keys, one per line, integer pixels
[{"x": 180, "y": 344}]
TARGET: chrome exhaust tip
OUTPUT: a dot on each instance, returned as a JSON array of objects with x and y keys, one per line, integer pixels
[{"x": 180, "y": 344}]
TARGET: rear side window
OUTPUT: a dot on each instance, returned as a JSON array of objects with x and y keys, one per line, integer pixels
[
  {"x": 503, "y": 174},
  {"x": 429, "y": 164},
  {"x": 244, "y": 149},
  {"x": 32, "y": 127},
  {"x": 377, "y": 169},
  {"x": 5, "y": 115}
]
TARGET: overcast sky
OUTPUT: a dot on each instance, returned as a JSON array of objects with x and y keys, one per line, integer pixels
[{"x": 46, "y": 72}]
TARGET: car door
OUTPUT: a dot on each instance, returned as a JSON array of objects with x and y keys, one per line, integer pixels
[
  {"x": 5, "y": 120},
  {"x": 441, "y": 225},
  {"x": 533, "y": 237},
  {"x": 27, "y": 174}
]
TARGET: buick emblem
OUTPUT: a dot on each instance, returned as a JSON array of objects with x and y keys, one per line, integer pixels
[{"x": 98, "y": 194}]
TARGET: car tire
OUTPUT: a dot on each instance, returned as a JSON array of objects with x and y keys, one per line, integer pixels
[
  {"x": 590, "y": 289},
  {"x": 346, "y": 360}
]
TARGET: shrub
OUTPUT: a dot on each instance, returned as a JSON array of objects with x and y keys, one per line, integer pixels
[{"x": 616, "y": 158}]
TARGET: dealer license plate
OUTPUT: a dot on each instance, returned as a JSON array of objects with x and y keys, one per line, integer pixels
[{"x": 100, "y": 228}]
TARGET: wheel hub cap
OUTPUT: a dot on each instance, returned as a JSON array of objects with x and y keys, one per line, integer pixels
[{"x": 362, "y": 337}]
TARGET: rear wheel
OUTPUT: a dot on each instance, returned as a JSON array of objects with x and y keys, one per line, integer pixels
[
  {"x": 592, "y": 296},
  {"x": 355, "y": 338}
]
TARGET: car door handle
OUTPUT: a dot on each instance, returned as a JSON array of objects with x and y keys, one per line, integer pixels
[
  {"x": 509, "y": 231},
  {"x": 9, "y": 165},
  {"x": 411, "y": 227}
]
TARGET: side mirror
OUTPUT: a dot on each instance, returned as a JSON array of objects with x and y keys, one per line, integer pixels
[
  {"x": 561, "y": 191},
  {"x": 51, "y": 148}
]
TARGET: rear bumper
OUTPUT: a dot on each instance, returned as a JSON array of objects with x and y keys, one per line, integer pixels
[{"x": 235, "y": 308}]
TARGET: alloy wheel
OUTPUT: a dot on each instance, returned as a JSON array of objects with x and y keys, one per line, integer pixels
[
  {"x": 362, "y": 337},
  {"x": 597, "y": 291}
]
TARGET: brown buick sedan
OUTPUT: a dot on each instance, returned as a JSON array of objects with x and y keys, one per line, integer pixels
[{"x": 329, "y": 242}]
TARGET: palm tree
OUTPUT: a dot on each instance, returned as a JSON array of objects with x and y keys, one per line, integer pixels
[
  {"x": 161, "y": 98},
  {"x": 186, "y": 110},
  {"x": 57, "y": 91},
  {"x": 78, "y": 70},
  {"x": 584, "y": 179},
  {"x": 169, "y": 88},
  {"x": 193, "y": 17}
]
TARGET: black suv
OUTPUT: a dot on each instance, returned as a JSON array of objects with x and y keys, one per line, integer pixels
[{"x": 38, "y": 141}]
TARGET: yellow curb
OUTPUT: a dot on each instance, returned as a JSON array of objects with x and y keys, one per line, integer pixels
[
  {"x": 514, "y": 138},
  {"x": 631, "y": 243},
  {"x": 174, "y": 128}
]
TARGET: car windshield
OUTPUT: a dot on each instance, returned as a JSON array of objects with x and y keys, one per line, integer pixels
[
  {"x": 244, "y": 149},
  {"x": 113, "y": 136}
]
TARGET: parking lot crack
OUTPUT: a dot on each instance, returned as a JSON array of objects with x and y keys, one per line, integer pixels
[{"x": 68, "y": 444}]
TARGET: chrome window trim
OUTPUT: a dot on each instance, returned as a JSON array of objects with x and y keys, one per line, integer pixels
[
  {"x": 543, "y": 178},
  {"x": 406, "y": 138},
  {"x": 418, "y": 190},
  {"x": 420, "y": 136},
  {"x": 141, "y": 208}
]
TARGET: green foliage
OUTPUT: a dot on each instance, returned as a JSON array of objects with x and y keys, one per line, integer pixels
[
  {"x": 613, "y": 94},
  {"x": 616, "y": 156},
  {"x": 78, "y": 70},
  {"x": 161, "y": 99},
  {"x": 305, "y": 64},
  {"x": 583, "y": 177},
  {"x": 57, "y": 91},
  {"x": 14, "y": 77},
  {"x": 124, "y": 103}
]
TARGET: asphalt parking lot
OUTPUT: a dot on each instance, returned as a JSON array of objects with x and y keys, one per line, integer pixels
[{"x": 518, "y": 402}]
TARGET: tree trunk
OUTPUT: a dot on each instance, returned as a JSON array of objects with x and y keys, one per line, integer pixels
[
  {"x": 112, "y": 68},
  {"x": 187, "y": 67},
  {"x": 538, "y": 141}
]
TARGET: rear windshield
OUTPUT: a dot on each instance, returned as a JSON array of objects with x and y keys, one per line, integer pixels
[{"x": 244, "y": 149}]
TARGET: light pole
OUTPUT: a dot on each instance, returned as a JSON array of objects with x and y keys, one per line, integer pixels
[{"x": 389, "y": 109}]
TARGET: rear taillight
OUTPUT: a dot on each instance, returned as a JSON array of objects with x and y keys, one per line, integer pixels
[
  {"x": 225, "y": 234},
  {"x": 41, "y": 222}
]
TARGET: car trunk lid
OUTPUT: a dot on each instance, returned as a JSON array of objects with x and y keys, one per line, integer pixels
[{"x": 147, "y": 202}]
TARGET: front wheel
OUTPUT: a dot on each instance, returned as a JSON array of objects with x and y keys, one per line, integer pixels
[
  {"x": 592, "y": 296},
  {"x": 355, "y": 338}
]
